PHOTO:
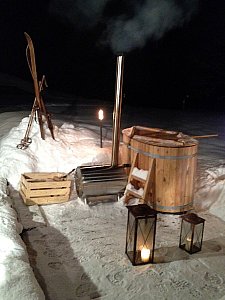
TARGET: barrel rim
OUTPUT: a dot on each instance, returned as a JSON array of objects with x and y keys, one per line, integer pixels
[{"x": 185, "y": 141}]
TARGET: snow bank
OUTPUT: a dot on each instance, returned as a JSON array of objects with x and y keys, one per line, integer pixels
[
  {"x": 71, "y": 147},
  {"x": 210, "y": 194},
  {"x": 16, "y": 276}
]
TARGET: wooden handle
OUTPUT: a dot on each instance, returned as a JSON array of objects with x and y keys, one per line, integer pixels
[{"x": 204, "y": 136}]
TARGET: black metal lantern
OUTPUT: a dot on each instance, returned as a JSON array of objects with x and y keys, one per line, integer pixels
[
  {"x": 141, "y": 230},
  {"x": 191, "y": 235}
]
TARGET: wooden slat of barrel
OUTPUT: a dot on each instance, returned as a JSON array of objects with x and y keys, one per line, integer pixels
[{"x": 159, "y": 181}]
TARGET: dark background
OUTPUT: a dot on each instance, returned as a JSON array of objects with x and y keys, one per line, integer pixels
[{"x": 183, "y": 68}]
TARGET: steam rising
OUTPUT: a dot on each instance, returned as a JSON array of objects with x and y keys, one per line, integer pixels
[
  {"x": 80, "y": 13},
  {"x": 150, "y": 19}
]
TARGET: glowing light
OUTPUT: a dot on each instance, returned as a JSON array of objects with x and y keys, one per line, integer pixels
[
  {"x": 188, "y": 243},
  {"x": 145, "y": 254},
  {"x": 101, "y": 115}
]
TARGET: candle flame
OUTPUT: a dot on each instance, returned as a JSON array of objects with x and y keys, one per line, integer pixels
[
  {"x": 145, "y": 254},
  {"x": 188, "y": 243}
]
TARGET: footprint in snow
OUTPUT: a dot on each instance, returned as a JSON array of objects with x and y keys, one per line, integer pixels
[
  {"x": 55, "y": 265},
  {"x": 115, "y": 279}
]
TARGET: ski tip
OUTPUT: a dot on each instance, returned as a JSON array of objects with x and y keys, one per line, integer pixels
[{"x": 27, "y": 35}]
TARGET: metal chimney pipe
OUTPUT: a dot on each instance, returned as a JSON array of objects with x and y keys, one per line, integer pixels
[{"x": 117, "y": 111}]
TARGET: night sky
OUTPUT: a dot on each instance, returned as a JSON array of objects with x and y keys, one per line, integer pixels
[{"x": 174, "y": 50}]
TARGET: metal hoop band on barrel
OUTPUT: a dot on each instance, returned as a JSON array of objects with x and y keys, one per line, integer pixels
[
  {"x": 177, "y": 208},
  {"x": 160, "y": 156}
]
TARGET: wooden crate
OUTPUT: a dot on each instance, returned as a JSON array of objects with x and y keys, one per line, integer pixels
[{"x": 44, "y": 188}]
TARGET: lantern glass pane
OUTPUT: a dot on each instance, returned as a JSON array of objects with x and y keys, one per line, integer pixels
[
  {"x": 186, "y": 236},
  {"x": 130, "y": 237},
  {"x": 197, "y": 237},
  {"x": 145, "y": 240}
]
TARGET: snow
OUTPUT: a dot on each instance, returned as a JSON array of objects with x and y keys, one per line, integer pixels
[
  {"x": 74, "y": 251},
  {"x": 140, "y": 173},
  {"x": 131, "y": 188},
  {"x": 16, "y": 275}
]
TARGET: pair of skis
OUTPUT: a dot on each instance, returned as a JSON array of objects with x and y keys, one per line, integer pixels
[{"x": 38, "y": 110}]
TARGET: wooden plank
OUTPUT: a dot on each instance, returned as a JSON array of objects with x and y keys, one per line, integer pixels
[
  {"x": 138, "y": 178},
  {"x": 135, "y": 194},
  {"x": 150, "y": 180},
  {"x": 159, "y": 188},
  {"x": 43, "y": 200},
  {"x": 48, "y": 184},
  {"x": 47, "y": 192},
  {"x": 42, "y": 175},
  {"x": 37, "y": 181},
  {"x": 134, "y": 164}
]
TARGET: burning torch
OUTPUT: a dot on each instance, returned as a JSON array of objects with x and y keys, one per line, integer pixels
[{"x": 101, "y": 117}]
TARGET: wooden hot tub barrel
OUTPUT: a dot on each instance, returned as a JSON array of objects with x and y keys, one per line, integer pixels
[{"x": 175, "y": 156}]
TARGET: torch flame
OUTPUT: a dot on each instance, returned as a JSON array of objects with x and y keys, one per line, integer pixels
[{"x": 100, "y": 115}]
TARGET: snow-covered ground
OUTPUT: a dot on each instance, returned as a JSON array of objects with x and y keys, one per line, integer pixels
[{"x": 77, "y": 251}]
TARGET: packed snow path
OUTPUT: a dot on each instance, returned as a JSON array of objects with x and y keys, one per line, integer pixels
[{"x": 78, "y": 252}]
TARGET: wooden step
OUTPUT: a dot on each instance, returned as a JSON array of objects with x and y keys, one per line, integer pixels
[
  {"x": 138, "y": 178},
  {"x": 139, "y": 182}
]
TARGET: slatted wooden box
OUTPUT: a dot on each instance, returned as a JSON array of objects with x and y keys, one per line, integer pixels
[{"x": 44, "y": 188}]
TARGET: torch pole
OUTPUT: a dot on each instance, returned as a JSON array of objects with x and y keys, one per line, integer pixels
[
  {"x": 100, "y": 117},
  {"x": 100, "y": 133}
]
